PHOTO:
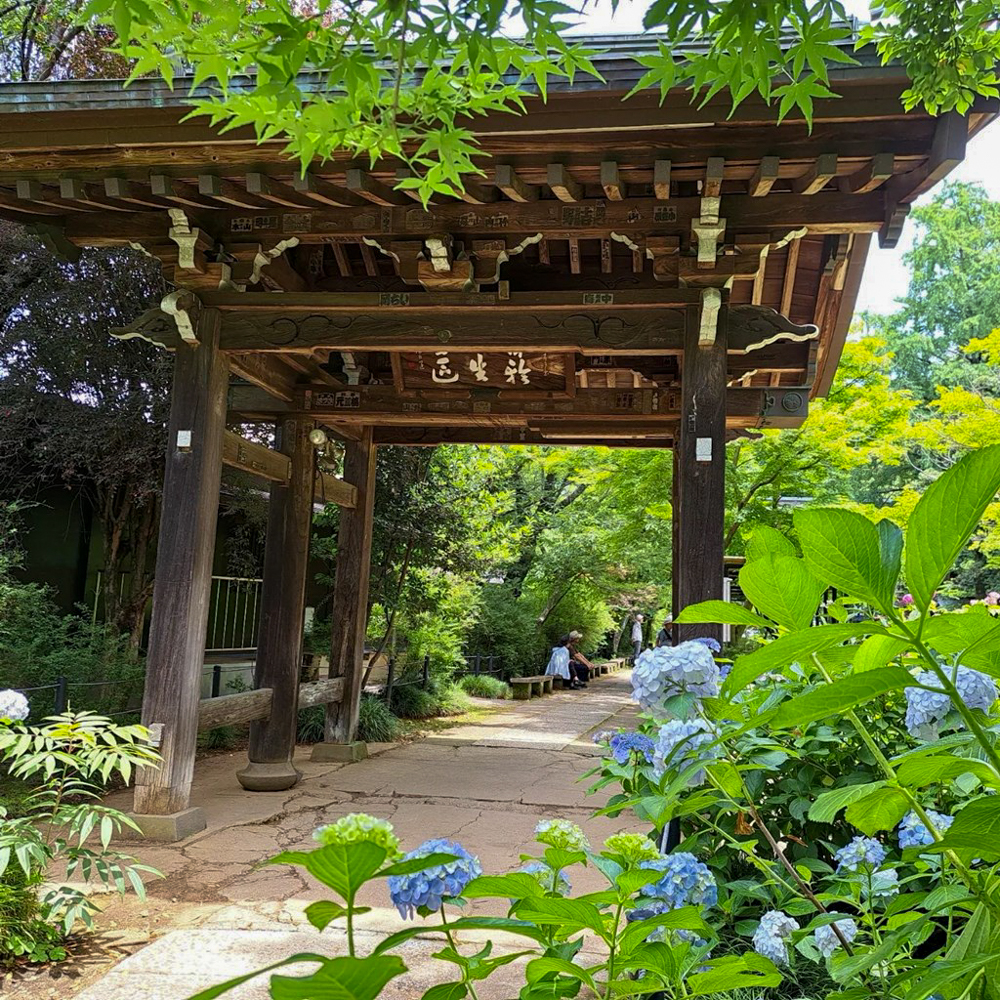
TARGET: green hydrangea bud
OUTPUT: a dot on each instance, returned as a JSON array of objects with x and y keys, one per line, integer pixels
[
  {"x": 561, "y": 833},
  {"x": 360, "y": 827},
  {"x": 633, "y": 847}
]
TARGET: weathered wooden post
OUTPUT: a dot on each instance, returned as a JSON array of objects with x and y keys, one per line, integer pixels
[
  {"x": 699, "y": 500},
  {"x": 350, "y": 603},
  {"x": 279, "y": 645},
  {"x": 184, "y": 554}
]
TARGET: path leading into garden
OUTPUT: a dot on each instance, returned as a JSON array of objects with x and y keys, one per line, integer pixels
[{"x": 485, "y": 784}]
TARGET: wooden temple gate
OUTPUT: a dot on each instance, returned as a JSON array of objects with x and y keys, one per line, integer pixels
[{"x": 632, "y": 274}]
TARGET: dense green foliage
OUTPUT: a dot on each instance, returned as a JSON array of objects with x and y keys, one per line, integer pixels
[
  {"x": 485, "y": 686},
  {"x": 407, "y": 79}
]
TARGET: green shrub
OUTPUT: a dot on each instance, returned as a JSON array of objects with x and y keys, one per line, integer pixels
[
  {"x": 23, "y": 932},
  {"x": 410, "y": 701},
  {"x": 484, "y": 686},
  {"x": 376, "y": 724},
  {"x": 312, "y": 723},
  {"x": 451, "y": 700}
]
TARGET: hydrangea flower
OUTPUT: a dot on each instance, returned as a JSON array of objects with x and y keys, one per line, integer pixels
[
  {"x": 906, "y": 600},
  {"x": 927, "y": 710},
  {"x": 772, "y": 934},
  {"x": 603, "y": 738},
  {"x": 826, "y": 937},
  {"x": 667, "y": 671},
  {"x": 542, "y": 874},
  {"x": 913, "y": 832},
  {"x": 686, "y": 881},
  {"x": 563, "y": 834},
  {"x": 992, "y": 598},
  {"x": 13, "y": 706},
  {"x": 623, "y": 745},
  {"x": 634, "y": 848},
  {"x": 694, "y": 737},
  {"x": 430, "y": 887},
  {"x": 861, "y": 852},
  {"x": 357, "y": 827},
  {"x": 713, "y": 644}
]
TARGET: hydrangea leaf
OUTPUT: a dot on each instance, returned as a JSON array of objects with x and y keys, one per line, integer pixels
[
  {"x": 342, "y": 867},
  {"x": 975, "y": 832},
  {"x": 720, "y": 613},
  {"x": 881, "y": 810},
  {"x": 782, "y": 588},
  {"x": 446, "y": 991},
  {"x": 568, "y": 914},
  {"x": 323, "y": 913},
  {"x": 844, "y": 549},
  {"x": 792, "y": 648},
  {"x": 412, "y": 865},
  {"x": 918, "y": 772},
  {"x": 684, "y": 918},
  {"x": 827, "y": 805},
  {"x": 876, "y": 651},
  {"x": 733, "y": 972},
  {"x": 341, "y": 979},
  {"x": 945, "y": 517},
  {"x": 840, "y": 696},
  {"x": 766, "y": 541},
  {"x": 217, "y": 991},
  {"x": 975, "y": 636}
]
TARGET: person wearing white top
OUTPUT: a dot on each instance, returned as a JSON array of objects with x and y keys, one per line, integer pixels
[{"x": 637, "y": 635}]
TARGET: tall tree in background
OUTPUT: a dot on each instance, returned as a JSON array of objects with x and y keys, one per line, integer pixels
[{"x": 81, "y": 409}]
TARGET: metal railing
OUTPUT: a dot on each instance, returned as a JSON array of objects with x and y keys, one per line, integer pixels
[{"x": 233, "y": 610}]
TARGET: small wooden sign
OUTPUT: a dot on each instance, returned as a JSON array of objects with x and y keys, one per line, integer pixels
[{"x": 522, "y": 371}]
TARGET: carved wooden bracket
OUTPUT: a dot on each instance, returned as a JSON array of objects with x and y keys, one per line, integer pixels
[
  {"x": 665, "y": 251},
  {"x": 488, "y": 255},
  {"x": 183, "y": 306},
  {"x": 751, "y": 328},
  {"x": 708, "y": 321},
  {"x": 169, "y": 325},
  {"x": 708, "y": 230},
  {"x": 192, "y": 243}
]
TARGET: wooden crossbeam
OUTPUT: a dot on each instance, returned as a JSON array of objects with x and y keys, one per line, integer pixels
[
  {"x": 764, "y": 176},
  {"x": 635, "y": 217},
  {"x": 361, "y": 183},
  {"x": 817, "y": 176},
  {"x": 224, "y": 190},
  {"x": 875, "y": 173},
  {"x": 324, "y": 193},
  {"x": 614, "y": 187},
  {"x": 268, "y": 189},
  {"x": 661, "y": 179},
  {"x": 510, "y": 183},
  {"x": 562, "y": 184}
]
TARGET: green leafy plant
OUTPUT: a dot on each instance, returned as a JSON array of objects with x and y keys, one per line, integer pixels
[
  {"x": 376, "y": 724},
  {"x": 67, "y": 760},
  {"x": 405, "y": 79},
  {"x": 485, "y": 686},
  {"x": 659, "y": 950}
]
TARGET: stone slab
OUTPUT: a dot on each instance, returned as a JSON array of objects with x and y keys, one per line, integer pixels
[
  {"x": 341, "y": 753},
  {"x": 173, "y": 827}
]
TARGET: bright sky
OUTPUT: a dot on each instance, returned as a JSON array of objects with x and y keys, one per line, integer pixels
[{"x": 885, "y": 275}]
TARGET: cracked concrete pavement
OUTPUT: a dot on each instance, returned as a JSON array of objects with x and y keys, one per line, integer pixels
[{"x": 217, "y": 912}]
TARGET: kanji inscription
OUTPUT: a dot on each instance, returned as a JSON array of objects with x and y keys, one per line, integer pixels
[{"x": 501, "y": 370}]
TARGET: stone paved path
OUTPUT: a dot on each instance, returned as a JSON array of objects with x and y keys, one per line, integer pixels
[{"x": 486, "y": 785}]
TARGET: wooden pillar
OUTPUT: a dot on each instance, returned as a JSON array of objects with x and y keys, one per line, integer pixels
[
  {"x": 181, "y": 593},
  {"x": 699, "y": 502},
  {"x": 283, "y": 594},
  {"x": 350, "y": 603}
]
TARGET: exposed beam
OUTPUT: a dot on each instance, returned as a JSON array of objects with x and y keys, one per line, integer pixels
[
  {"x": 73, "y": 189},
  {"x": 172, "y": 190},
  {"x": 661, "y": 179},
  {"x": 791, "y": 268},
  {"x": 510, "y": 183},
  {"x": 268, "y": 189},
  {"x": 817, "y": 176},
  {"x": 764, "y": 176},
  {"x": 324, "y": 193},
  {"x": 562, "y": 184},
  {"x": 614, "y": 188},
  {"x": 361, "y": 183},
  {"x": 228, "y": 193},
  {"x": 257, "y": 459},
  {"x": 557, "y": 220},
  {"x": 714, "y": 172},
  {"x": 266, "y": 372},
  {"x": 875, "y": 173}
]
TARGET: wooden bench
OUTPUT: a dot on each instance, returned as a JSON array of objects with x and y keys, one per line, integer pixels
[{"x": 526, "y": 687}]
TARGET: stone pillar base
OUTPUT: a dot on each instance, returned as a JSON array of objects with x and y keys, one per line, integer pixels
[
  {"x": 340, "y": 753},
  {"x": 171, "y": 827},
  {"x": 275, "y": 777}
]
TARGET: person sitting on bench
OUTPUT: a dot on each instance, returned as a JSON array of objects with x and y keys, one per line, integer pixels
[
  {"x": 579, "y": 664},
  {"x": 559, "y": 665}
]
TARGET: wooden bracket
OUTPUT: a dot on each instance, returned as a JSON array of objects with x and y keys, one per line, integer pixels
[
  {"x": 488, "y": 255},
  {"x": 54, "y": 239},
  {"x": 708, "y": 321},
  {"x": 192, "y": 243},
  {"x": 708, "y": 230},
  {"x": 183, "y": 306},
  {"x": 665, "y": 251}
]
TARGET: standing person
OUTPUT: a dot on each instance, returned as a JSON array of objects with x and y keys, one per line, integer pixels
[
  {"x": 664, "y": 637},
  {"x": 637, "y": 636}
]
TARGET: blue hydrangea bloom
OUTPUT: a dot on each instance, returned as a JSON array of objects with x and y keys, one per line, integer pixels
[
  {"x": 430, "y": 887},
  {"x": 772, "y": 934},
  {"x": 826, "y": 938},
  {"x": 713, "y": 644},
  {"x": 603, "y": 738},
  {"x": 623, "y": 745},
  {"x": 913, "y": 833},
  {"x": 13, "y": 706},
  {"x": 927, "y": 710},
  {"x": 861, "y": 852},
  {"x": 686, "y": 881},
  {"x": 692, "y": 742},
  {"x": 884, "y": 884},
  {"x": 542, "y": 874},
  {"x": 667, "y": 671}
]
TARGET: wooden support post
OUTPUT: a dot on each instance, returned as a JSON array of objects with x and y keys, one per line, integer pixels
[
  {"x": 279, "y": 645},
  {"x": 183, "y": 581},
  {"x": 350, "y": 603},
  {"x": 699, "y": 476}
]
